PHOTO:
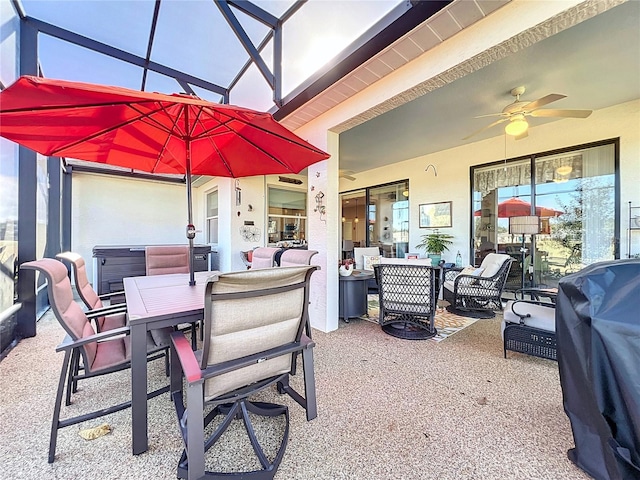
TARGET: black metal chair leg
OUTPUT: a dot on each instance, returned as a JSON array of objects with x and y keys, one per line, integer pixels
[{"x": 56, "y": 410}]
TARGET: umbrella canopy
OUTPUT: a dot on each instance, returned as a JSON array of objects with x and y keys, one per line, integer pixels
[
  {"x": 515, "y": 207},
  {"x": 151, "y": 132}
]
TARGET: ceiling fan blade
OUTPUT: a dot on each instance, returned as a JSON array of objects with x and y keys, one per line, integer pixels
[
  {"x": 348, "y": 177},
  {"x": 524, "y": 134},
  {"x": 541, "y": 102},
  {"x": 486, "y": 127},
  {"x": 501, "y": 114},
  {"x": 561, "y": 113}
]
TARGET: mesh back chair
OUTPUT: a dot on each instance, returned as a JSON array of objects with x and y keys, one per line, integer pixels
[
  {"x": 114, "y": 315},
  {"x": 408, "y": 297},
  {"x": 296, "y": 257},
  {"x": 480, "y": 295},
  {"x": 264, "y": 257},
  {"x": 101, "y": 353},
  {"x": 254, "y": 322},
  {"x": 165, "y": 260}
]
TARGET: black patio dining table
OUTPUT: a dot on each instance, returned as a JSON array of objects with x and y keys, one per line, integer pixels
[{"x": 154, "y": 302}]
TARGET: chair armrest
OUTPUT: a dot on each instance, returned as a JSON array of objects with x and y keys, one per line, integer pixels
[
  {"x": 231, "y": 365},
  {"x": 473, "y": 281},
  {"x": 106, "y": 296},
  {"x": 451, "y": 273},
  {"x": 186, "y": 357},
  {"x": 68, "y": 342},
  {"x": 106, "y": 311},
  {"x": 522, "y": 316}
]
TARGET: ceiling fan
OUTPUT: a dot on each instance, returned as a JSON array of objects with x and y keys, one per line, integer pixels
[
  {"x": 515, "y": 113},
  {"x": 346, "y": 174}
]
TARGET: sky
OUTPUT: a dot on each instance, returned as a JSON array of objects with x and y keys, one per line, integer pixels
[{"x": 193, "y": 37}]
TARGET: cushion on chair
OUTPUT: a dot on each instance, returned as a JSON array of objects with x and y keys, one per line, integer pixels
[
  {"x": 359, "y": 252},
  {"x": 368, "y": 261},
  {"x": 474, "y": 271},
  {"x": 492, "y": 263},
  {"x": 542, "y": 317}
]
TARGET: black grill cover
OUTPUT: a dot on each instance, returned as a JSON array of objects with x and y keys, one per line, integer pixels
[{"x": 598, "y": 335}]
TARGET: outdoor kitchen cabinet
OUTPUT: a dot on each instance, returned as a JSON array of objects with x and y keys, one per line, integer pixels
[{"x": 114, "y": 262}]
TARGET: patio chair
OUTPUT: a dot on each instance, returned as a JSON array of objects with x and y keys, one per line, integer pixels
[
  {"x": 247, "y": 257},
  {"x": 264, "y": 257},
  {"x": 296, "y": 256},
  {"x": 114, "y": 315},
  {"x": 165, "y": 260},
  {"x": 101, "y": 353},
  {"x": 477, "y": 295},
  {"x": 408, "y": 297},
  {"x": 254, "y": 328},
  {"x": 529, "y": 326}
]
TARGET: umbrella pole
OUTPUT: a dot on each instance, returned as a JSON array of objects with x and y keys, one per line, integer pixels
[{"x": 191, "y": 229}]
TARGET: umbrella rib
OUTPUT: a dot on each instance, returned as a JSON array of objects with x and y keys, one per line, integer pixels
[
  {"x": 166, "y": 142},
  {"x": 264, "y": 130},
  {"x": 141, "y": 116},
  {"x": 214, "y": 145}
]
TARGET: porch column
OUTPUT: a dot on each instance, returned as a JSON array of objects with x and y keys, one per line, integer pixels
[{"x": 323, "y": 230}]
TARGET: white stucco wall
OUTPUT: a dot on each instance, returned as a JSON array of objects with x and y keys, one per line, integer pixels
[{"x": 109, "y": 210}]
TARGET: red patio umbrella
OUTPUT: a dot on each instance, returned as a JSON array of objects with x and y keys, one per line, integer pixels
[
  {"x": 515, "y": 207},
  {"x": 151, "y": 132}
]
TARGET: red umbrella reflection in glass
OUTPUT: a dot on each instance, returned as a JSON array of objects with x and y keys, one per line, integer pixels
[{"x": 515, "y": 207}]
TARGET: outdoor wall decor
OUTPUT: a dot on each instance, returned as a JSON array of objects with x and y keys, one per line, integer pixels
[{"x": 435, "y": 215}]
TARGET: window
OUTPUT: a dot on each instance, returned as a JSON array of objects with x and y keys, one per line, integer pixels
[
  {"x": 572, "y": 191},
  {"x": 212, "y": 217},
  {"x": 287, "y": 215}
]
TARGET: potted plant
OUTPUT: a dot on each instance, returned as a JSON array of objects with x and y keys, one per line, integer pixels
[{"x": 435, "y": 243}]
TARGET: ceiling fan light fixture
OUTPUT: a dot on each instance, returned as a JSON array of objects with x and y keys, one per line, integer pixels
[{"x": 517, "y": 126}]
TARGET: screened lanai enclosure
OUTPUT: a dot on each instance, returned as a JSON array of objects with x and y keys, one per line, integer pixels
[{"x": 258, "y": 54}]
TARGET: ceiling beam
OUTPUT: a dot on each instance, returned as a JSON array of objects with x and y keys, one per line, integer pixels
[
  {"x": 110, "y": 51},
  {"x": 397, "y": 23}
]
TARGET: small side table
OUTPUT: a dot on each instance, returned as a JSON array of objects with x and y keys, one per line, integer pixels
[{"x": 353, "y": 290}]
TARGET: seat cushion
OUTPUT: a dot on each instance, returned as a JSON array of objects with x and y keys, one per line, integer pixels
[
  {"x": 541, "y": 317},
  {"x": 112, "y": 321},
  {"x": 492, "y": 263}
]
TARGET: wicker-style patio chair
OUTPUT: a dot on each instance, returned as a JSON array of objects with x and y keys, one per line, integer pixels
[
  {"x": 478, "y": 295},
  {"x": 254, "y": 328},
  {"x": 101, "y": 353},
  {"x": 408, "y": 297}
]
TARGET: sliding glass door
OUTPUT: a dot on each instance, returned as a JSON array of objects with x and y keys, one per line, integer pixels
[{"x": 573, "y": 192}]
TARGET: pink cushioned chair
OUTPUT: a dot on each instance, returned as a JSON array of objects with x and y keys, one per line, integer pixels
[
  {"x": 167, "y": 259},
  {"x": 101, "y": 353},
  {"x": 114, "y": 315},
  {"x": 264, "y": 257}
]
